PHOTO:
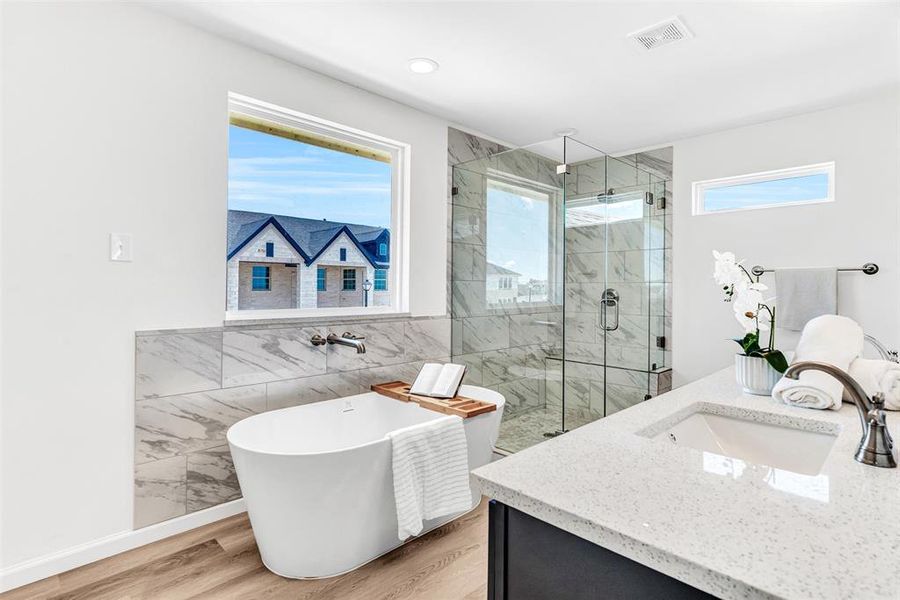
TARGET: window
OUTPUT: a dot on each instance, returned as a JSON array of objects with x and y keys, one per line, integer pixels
[
  {"x": 349, "y": 280},
  {"x": 303, "y": 191},
  {"x": 382, "y": 249},
  {"x": 261, "y": 281},
  {"x": 609, "y": 208},
  {"x": 811, "y": 184},
  {"x": 518, "y": 241},
  {"x": 320, "y": 279},
  {"x": 381, "y": 280}
]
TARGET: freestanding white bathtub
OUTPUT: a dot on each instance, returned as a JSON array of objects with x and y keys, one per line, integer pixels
[{"x": 318, "y": 483}]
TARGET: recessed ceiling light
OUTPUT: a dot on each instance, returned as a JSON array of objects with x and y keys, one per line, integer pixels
[
  {"x": 565, "y": 132},
  {"x": 422, "y": 65}
]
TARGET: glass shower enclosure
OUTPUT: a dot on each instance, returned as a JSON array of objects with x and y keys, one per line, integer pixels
[{"x": 559, "y": 282}]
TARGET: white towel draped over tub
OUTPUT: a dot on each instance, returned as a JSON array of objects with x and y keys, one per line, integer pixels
[
  {"x": 431, "y": 472},
  {"x": 878, "y": 376},
  {"x": 829, "y": 339}
]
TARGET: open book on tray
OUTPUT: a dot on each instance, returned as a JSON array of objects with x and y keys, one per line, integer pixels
[{"x": 438, "y": 381}]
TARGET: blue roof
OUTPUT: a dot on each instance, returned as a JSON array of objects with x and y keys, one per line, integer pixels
[{"x": 309, "y": 237}]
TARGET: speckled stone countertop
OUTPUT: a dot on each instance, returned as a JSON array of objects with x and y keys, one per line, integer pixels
[{"x": 733, "y": 529}]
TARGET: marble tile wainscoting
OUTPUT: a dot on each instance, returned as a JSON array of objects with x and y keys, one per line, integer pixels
[{"x": 192, "y": 385}]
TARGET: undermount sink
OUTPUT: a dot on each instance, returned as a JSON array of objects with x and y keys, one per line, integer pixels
[{"x": 788, "y": 448}]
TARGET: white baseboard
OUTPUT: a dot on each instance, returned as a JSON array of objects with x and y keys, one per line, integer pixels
[{"x": 58, "y": 562}]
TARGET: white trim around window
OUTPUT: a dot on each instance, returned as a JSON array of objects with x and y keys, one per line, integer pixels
[
  {"x": 398, "y": 274},
  {"x": 699, "y": 189}
]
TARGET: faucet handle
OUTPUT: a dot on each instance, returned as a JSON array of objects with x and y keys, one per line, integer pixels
[
  {"x": 877, "y": 414},
  {"x": 351, "y": 336}
]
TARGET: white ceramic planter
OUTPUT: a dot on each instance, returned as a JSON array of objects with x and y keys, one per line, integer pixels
[{"x": 755, "y": 375}]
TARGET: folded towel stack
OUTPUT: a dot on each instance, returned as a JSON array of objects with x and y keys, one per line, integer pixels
[
  {"x": 431, "y": 472},
  {"x": 878, "y": 376},
  {"x": 830, "y": 339}
]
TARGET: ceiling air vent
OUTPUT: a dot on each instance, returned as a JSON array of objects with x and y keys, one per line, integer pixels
[{"x": 670, "y": 30}]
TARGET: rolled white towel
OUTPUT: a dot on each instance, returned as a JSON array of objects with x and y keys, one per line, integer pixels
[
  {"x": 829, "y": 339},
  {"x": 878, "y": 376}
]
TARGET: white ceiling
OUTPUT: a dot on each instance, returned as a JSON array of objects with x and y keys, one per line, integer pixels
[{"x": 518, "y": 71}]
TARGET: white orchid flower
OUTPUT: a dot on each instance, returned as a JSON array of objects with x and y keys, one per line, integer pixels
[
  {"x": 727, "y": 271},
  {"x": 746, "y": 306}
]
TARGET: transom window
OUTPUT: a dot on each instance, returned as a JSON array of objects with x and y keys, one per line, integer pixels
[
  {"x": 313, "y": 190},
  {"x": 261, "y": 279},
  {"x": 380, "y": 280},
  {"x": 811, "y": 184},
  {"x": 349, "y": 280}
]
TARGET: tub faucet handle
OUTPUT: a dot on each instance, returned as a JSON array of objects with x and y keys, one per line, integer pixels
[
  {"x": 352, "y": 336},
  {"x": 317, "y": 340}
]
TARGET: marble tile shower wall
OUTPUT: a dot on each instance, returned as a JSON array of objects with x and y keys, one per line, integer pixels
[
  {"x": 191, "y": 385},
  {"x": 505, "y": 348}
]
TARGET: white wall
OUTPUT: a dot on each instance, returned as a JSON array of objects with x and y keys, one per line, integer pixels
[
  {"x": 860, "y": 226},
  {"x": 115, "y": 120}
]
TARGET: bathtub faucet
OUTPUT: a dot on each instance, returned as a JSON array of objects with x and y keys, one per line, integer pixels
[{"x": 348, "y": 339}]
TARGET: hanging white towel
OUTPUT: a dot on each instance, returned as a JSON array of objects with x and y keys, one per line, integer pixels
[
  {"x": 878, "y": 376},
  {"x": 829, "y": 339},
  {"x": 431, "y": 472},
  {"x": 803, "y": 294}
]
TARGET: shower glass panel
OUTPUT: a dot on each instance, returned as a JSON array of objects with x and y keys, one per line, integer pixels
[
  {"x": 507, "y": 284},
  {"x": 559, "y": 283}
]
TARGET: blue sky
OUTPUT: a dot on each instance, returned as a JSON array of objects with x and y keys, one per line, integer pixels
[
  {"x": 777, "y": 191},
  {"x": 270, "y": 174}
]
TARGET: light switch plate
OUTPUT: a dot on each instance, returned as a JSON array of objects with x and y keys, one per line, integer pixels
[{"x": 120, "y": 247}]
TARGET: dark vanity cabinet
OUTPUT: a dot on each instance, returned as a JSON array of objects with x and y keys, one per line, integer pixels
[{"x": 529, "y": 559}]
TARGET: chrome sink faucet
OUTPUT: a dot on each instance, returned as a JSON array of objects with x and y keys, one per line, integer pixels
[
  {"x": 876, "y": 445},
  {"x": 346, "y": 339}
]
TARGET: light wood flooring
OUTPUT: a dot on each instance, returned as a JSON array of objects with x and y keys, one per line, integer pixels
[{"x": 220, "y": 561}]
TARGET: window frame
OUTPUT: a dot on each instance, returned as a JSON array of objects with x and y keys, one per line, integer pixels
[
  {"x": 345, "y": 279},
  {"x": 270, "y": 249},
  {"x": 254, "y": 277},
  {"x": 382, "y": 249},
  {"x": 699, "y": 188},
  {"x": 323, "y": 280},
  {"x": 398, "y": 274},
  {"x": 343, "y": 255}
]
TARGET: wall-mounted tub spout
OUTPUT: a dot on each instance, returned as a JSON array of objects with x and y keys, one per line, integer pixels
[{"x": 348, "y": 339}]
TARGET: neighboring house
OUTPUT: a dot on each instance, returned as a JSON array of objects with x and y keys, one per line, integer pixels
[
  {"x": 275, "y": 261},
  {"x": 502, "y": 285},
  {"x": 535, "y": 290}
]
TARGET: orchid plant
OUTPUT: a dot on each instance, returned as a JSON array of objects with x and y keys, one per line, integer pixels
[{"x": 746, "y": 297}]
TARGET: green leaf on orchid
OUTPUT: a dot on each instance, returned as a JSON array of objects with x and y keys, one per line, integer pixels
[
  {"x": 749, "y": 343},
  {"x": 774, "y": 357}
]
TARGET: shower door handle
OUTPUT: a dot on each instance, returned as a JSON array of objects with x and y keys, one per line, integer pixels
[{"x": 609, "y": 301}]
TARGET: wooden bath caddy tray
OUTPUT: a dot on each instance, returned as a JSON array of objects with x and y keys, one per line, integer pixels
[{"x": 458, "y": 405}]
